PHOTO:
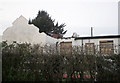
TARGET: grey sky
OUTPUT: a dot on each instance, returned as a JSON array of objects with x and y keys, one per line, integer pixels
[{"x": 78, "y": 15}]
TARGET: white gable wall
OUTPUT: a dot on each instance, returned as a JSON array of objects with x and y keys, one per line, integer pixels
[{"x": 22, "y": 32}]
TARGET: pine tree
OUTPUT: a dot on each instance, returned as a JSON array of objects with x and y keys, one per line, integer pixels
[{"x": 45, "y": 24}]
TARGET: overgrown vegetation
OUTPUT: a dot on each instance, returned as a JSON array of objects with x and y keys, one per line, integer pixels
[{"x": 23, "y": 62}]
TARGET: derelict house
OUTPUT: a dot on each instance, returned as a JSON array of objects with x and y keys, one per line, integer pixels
[
  {"x": 22, "y": 32},
  {"x": 103, "y": 45}
]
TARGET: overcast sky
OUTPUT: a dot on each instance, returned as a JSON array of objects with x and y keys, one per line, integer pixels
[{"x": 78, "y": 15}]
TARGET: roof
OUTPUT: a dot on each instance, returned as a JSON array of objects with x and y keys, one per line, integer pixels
[
  {"x": 67, "y": 37},
  {"x": 56, "y": 36},
  {"x": 98, "y": 37}
]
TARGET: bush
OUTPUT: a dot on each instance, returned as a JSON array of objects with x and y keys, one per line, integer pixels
[{"x": 23, "y": 62}]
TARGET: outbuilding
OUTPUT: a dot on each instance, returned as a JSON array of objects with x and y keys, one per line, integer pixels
[{"x": 91, "y": 45}]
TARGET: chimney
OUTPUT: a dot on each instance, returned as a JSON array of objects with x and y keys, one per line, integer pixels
[{"x": 91, "y": 31}]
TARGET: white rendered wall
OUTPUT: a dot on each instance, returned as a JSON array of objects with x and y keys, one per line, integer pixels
[
  {"x": 66, "y": 40},
  {"x": 22, "y": 32},
  {"x": 96, "y": 42},
  {"x": 51, "y": 40}
]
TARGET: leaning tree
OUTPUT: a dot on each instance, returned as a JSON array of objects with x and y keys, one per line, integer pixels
[{"x": 46, "y": 24}]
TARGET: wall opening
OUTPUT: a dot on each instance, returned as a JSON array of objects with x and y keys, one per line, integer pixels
[
  {"x": 66, "y": 47},
  {"x": 106, "y": 47}
]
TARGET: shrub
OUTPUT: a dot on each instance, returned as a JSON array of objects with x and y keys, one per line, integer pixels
[{"x": 23, "y": 62}]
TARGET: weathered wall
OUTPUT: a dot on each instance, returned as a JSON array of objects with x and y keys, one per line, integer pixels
[
  {"x": 95, "y": 41},
  {"x": 21, "y": 32},
  {"x": 51, "y": 41}
]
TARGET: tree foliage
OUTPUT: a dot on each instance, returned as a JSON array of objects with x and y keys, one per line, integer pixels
[{"x": 46, "y": 24}]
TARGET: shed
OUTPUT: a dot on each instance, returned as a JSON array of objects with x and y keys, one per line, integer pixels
[{"x": 103, "y": 44}]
